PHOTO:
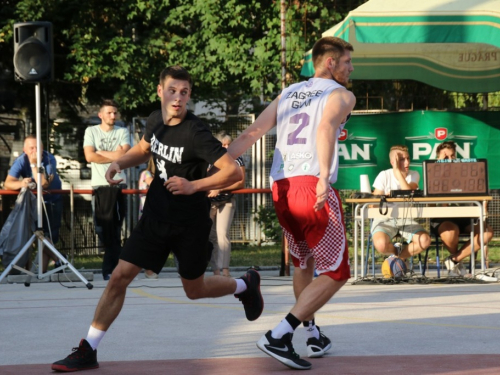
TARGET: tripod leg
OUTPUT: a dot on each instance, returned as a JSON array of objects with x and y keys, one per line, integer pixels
[
  {"x": 16, "y": 259},
  {"x": 65, "y": 263}
]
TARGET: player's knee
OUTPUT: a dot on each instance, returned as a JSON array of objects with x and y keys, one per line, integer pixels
[
  {"x": 193, "y": 294},
  {"x": 120, "y": 278},
  {"x": 118, "y": 282},
  {"x": 333, "y": 276}
]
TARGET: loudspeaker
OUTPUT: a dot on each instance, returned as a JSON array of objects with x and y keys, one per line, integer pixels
[{"x": 33, "y": 52}]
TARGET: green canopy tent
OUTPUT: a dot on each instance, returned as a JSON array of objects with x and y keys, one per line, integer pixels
[{"x": 453, "y": 45}]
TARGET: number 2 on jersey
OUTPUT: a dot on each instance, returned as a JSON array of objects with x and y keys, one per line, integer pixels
[{"x": 303, "y": 120}]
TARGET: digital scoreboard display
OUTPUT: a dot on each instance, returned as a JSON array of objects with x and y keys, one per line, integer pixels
[{"x": 448, "y": 177}]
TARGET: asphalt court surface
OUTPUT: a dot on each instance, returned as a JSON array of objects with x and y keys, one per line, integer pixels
[{"x": 375, "y": 328}]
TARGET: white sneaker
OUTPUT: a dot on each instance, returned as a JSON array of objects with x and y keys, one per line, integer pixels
[
  {"x": 461, "y": 269},
  {"x": 153, "y": 276},
  {"x": 399, "y": 247},
  {"x": 486, "y": 278},
  {"x": 454, "y": 269}
]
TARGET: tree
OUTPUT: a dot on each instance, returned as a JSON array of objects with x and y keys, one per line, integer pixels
[{"x": 116, "y": 48}]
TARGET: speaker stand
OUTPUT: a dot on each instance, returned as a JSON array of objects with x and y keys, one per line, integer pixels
[{"x": 38, "y": 235}]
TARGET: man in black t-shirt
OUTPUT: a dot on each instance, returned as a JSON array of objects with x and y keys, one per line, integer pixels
[{"x": 175, "y": 217}]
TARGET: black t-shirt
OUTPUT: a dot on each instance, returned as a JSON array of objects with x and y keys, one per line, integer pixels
[{"x": 184, "y": 150}]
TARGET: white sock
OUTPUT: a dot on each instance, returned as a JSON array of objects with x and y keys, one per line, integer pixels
[
  {"x": 94, "y": 337},
  {"x": 312, "y": 330},
  {"x": 241, "y": 286},
  {"x": 281, "y": 329}
]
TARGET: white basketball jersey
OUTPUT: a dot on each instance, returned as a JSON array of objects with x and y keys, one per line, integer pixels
[{"x": 300, "y": 109}]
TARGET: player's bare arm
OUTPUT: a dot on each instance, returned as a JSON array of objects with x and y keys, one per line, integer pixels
[
  {"x": 137, "y": 155},
  {"x": 238, "y": 185},
  {"x": 339, "y": 105},
  {"x": 265, "y": 122},
  {"x": 229, "y": 173}
]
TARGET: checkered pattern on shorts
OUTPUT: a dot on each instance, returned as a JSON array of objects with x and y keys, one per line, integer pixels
[{"x": 330, "y": 250}]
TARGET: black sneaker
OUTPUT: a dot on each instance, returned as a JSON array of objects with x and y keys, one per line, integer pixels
[
  {"x": 282, "y": 350},
  {"x": 318, "y": 347},
  {"x": 57, "y": 265},
  {"x": 251, "y": 298},
  {"x": 82, "y": 358}
]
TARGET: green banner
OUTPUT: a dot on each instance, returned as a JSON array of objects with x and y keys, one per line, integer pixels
[{"x": 364, "y": 145}]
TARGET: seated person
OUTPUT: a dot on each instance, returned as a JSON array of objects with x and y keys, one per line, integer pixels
[
  {"x": 450, "y": 229},
  {"x": 399, "y": 177}
]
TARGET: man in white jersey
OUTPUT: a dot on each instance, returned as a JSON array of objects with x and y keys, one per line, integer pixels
[
  {"x": 309, "y": 117},
  {"x": 103, "y": 144}
]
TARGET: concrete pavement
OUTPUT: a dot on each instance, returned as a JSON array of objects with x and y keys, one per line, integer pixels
[{"x": 375, "y": 328}]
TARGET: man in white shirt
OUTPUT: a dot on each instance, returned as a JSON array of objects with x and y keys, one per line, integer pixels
[
  {"x": 399, "y": 177},
  {"x": 103, "y": 144}
]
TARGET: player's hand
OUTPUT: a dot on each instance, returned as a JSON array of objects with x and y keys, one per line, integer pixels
[
  {"x": 113, "y": 169},
  {"x": 178, "y": 185},
  {"x": 213, "y": 193},
  {"x": 322, "y": 189}
]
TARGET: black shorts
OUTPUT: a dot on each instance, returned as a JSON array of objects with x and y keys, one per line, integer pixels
[
  {"x": 152, "y": 241},
  {"x": 462, "y": 223}
]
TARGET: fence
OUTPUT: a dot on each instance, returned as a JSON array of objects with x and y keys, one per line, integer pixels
[{"x": 77, "y": 227}]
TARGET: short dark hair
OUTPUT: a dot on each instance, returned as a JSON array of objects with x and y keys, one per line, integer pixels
[
  {"x": 330, "y": 46},
  {"x": 448, "y": 144},
  {"x": 175, "y": 72},
  {"x": 108, "y": 103}
]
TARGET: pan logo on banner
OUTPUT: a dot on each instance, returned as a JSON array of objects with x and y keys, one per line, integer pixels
[
  {"x": 424, "y": 147},
  {"x": 441, "y": 133},
  {"x": 365, "y": 142},
  {"x": 343, "y": 135},
  {"x": 356, "y": 151}
]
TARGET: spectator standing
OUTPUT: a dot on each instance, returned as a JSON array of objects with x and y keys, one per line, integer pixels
[
  {"x": 103, "y": 144},
  {"x": 223, "y": 207}
]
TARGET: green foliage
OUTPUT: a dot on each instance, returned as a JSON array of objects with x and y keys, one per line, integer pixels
[
  {"x": 268, "y": 222},
  {"x": 111, "y": 48}
]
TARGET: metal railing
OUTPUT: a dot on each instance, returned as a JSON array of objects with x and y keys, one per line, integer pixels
[{"x": 77, "y": 235}]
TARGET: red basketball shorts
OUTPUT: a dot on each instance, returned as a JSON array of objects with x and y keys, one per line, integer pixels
[{"x": 320, "y": 234}]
